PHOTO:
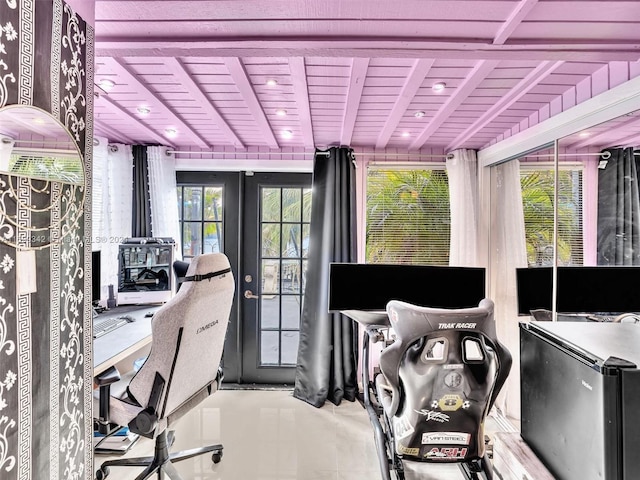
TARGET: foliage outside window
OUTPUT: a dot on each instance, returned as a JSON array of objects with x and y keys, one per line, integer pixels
[
  {"x": 538, "y": 199},
  {"x": 408, "y": 216}
]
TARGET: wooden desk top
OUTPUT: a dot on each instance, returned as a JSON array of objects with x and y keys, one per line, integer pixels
[{"x": 117, "y": 345}]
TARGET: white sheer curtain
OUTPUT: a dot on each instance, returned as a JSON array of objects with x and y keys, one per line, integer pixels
[
  {"x": 120, "y": 197},
  {"x": 462, "y": 170},
  {"x": 164, "y": 195},
  {"x": 100, "y": 209},
  {"x": 508, "y": 253}
]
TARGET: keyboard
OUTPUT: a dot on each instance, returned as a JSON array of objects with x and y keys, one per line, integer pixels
[{"x": 107, "y": 325}]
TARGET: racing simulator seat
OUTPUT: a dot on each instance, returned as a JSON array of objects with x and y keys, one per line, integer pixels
[{"x": 439, "y": 375}]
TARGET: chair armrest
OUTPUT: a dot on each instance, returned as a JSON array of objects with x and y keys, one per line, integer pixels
[{"x": 109, "y": 376}]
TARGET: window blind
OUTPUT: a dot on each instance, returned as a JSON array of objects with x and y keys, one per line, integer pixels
[
  {"x": 538, "y": 200},
  {"x": 408, "y": 218}
]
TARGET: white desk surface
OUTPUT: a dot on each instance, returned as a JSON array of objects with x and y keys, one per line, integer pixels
[{"x": 117, "y": 345}]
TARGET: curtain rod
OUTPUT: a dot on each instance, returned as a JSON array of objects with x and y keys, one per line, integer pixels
[
  {"x": 605, "y": 155},
  {"x": 322, "y": 154},
  {"x": 51, "y": 151}
]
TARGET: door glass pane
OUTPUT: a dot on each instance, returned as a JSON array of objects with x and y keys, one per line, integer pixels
[
  {"x": 270, "y": 305},
  {"x": 305, "y": 240},
  {"x": 180, "y": 204},
  {"x": 271, "y": 240},
  {"x": 193, "y": 203},
  {"x": 306, "y": 205},
  {"x": 271, "y": 205},
  {"x": 291, "y": 240},
  {"x": 291, "y": 311},
  {"x": 269, "y": 348},
  {"x": 290, "y": 347},
  {"x": 213, "y": 203},
  {"x": 291, "y": 204},
  {"x": 270, "y": 271},
  {"x": 191, "y": 238},
  {"x": 290, "y": 276},
  {"x": 212, "y": 237}
]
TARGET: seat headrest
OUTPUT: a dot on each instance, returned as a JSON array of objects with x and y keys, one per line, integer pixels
[
  {"x": 208, "y": 263},
  {"x": 413, "y": 321}
]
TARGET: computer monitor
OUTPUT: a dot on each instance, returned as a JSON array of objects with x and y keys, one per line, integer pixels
[
  {"x": 534, "y": 289},
  {"x": 96, "y": 285},
  {"x": 371, "y": 286},
  {"x": 599, "y": 289}
]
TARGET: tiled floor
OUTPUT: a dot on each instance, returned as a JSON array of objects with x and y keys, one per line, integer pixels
[{"x": 269, "y": 435}]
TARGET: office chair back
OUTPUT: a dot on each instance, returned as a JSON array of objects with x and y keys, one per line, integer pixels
[
  {"x": 188, "y": 337},
  {"x": 440, "y": 378}
]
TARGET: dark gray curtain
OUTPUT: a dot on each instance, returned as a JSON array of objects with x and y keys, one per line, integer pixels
[
  {"x": 141, "y": 220},
  {"x": 327, "y": 353},
  {"x": 619, "y": 209}
]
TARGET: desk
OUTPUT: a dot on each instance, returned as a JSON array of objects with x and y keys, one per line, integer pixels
[{"x": 119, "y": 344}]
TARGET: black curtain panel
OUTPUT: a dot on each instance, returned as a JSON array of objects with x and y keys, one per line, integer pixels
[
  {"x": 327, "y": 354},
  {"x": 618, "y": 208},
  {"x": 141, "y": 220}
]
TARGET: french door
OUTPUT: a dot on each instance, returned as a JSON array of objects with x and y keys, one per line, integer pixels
[{"x": 261, "y": 222}]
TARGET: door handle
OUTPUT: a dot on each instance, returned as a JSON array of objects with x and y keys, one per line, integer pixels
[{"x": 249, "y": 294}]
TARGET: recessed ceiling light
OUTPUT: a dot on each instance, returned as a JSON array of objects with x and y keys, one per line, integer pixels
[
  {"x": 439, "y": 87},
  {"x": 287, "y": 134},
  {"x": 144, "y": 110},
  {"x": 281, "y": 113},
  {"x": 171, "y": 132},
  {"x": 107, "y": 84},
  {"x": 419, "y": 114},
  {"x": 584, "y": 134},
  {"x": 272, "y": 82},
  {"x": 38, "y": 121},
  {"x": 405, "y": 134}
]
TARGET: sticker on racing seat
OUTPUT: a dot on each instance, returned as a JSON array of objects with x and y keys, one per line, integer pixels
[
  {"x": 451, "y": 403},
  {"x": 402, "y": 450},
  {"x": 446, "y": 453},
  {"x": 452, "y": 438}
]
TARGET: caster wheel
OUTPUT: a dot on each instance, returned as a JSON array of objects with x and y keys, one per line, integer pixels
[
  {"x": 102, "y": 473},
  {"x": 216, "y": 457}
]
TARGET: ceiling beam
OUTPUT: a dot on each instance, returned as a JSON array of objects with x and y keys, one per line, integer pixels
[
  {"x": 376, "y": 47},
  {"x": 516, "y": 93},
  {"x": 178, "y": 69},
  {"x": 126, "y": 74},
  {"x": 468, "y": 85},
  {"x": 411, "y": 86},
  {"x": 241, "y": 79},
  {"x": 632, "y": 123},
  {"x": 301, "y": 94},
  {"x": 508, "y": 27},
  {"x": 359, "y": 67},
  {"x": 111, "y": 133},
  {"x": 127, "y": 117}
]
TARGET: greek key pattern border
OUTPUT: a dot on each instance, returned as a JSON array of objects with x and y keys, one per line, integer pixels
[
  {"x": 24, "y": 345},
  {"x": 54, "y": 385},
  {"x": 27, "y": 40},
  {"x": 56, "y": 47}
]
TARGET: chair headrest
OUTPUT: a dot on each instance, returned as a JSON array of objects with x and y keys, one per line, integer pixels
[
  {"x": 208, "y": 263},
  {"x": 412, "y": 321}
]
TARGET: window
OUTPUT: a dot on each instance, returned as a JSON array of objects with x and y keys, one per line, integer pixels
[
  {"x": 538, "y": 198},
  {"x": 408, "y": 218},
  {"x": 200, "y": 210}
]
